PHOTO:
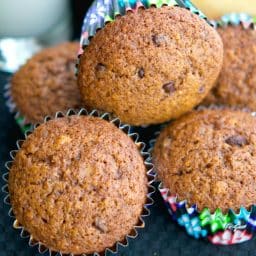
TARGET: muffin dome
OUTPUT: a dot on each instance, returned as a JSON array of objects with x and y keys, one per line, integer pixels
[
  {"x": 150, "y": 66},
  {"x": 237, "y": 82},
  {"x": 47, "y": 83},
  {"x": 78, "y": 184},
  {"x": 209, "y": 158}
]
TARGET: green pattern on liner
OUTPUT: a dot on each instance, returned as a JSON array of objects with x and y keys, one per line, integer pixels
[
  {"x": 216, "y": 221},
  {"x": 241, "y": 218},
  {"x": 20, "y": 122},
  {"x": 160, "y": 3},
  {"x": 108, "y": 19},
  {"x": 126, "y": 4},
  {"x": 106, "y": 11}
]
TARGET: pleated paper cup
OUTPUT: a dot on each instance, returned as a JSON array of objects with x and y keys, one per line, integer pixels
[
  {"x": 105, "y": 11},
  {"x": 42, "y": 248},
  {"x": 22, "y": 122},
  {"x": 218, "y": 228}
]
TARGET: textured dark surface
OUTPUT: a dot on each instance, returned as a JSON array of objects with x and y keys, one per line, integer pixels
[{"x": 161, "y": 237}]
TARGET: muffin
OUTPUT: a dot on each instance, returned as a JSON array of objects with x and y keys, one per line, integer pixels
[
  {"x": 47, "y": 83},
  {"x": 78, "y": 185},
  {"x": 206, "y": 161},
  {"x": 236, "y": 85},
  {"x": 209, "y": 158},
  {"x": 170, "y": 60}
]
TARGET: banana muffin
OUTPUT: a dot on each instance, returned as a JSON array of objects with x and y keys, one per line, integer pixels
[
  {"x": 150, "y": 66},
  {"x": 236, "y": 85},
  {"x": 47, "y": 83},
  {"x": 78, "y": 185},
  {"x": 208, "y": 158}
]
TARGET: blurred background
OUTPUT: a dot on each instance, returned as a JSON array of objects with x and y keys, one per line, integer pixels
[
  {"x": 49, "y": 20},
  {"x": 28, "y": 25},
  {"x": 216, "y": 8}
]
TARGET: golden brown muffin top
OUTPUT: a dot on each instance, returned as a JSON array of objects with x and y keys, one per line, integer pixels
[
  {"x": 209, "y": 158},
  {"x": 150, "y": 66},
  {"x": 47, "y": 83},
  {"x": 78, "y": 184},
  {"x": 237, "y": 82}
]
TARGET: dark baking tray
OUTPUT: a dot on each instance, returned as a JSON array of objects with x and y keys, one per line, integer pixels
[{"x": 161, "y": 237}]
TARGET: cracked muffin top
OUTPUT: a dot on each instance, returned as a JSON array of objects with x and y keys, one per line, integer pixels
[
  {"x": 47, "y": 83},
  {"x": 78, "y": 184},
  {"x": 236, "y": 85},
  {"x": 208, "y": 158},
  {"x": 150, "y": 66}
]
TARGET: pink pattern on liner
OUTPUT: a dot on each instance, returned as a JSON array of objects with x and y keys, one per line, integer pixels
[
  {"x": 171, "y": 200},
  {"x": 228, "y": 237}
]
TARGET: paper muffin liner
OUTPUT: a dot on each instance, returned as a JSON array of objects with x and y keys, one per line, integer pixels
[
  {"x": 22, "y": 122},
  {"x": 218, "y": 228},
  {"x": 235, "y": 19},
  {"x": 104, "y": 11},
  {"x": 150, "y": 175}
]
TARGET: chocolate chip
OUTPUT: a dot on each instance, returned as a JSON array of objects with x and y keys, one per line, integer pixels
[
  {"x": 100, "y": 67},
  {"x": 158, "y": 40},
  {"x": 141, "y": 72},
  {"x": 183, "y": 172},
  {"x": 49, "y": 160},
  {"x": 99, "y": 224},
  {"x": 118, "y": 174},
  {"x": 180, "y": 173},
  {"x": 237, "y": 140},
  {"x": 169, "y": 87},
  {"x": 209, "y": 165},
  {"x": 44, "y": 220},
  {"x": 201, "y": 89}
]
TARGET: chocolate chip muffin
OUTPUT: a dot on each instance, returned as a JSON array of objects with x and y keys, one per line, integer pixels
[
  {"x": 150, "y": 66},
  {"x": 209, "y": 158},
  {"x": 78, "y": 184},
  {"x": 47, "y": 83},
  {"x": 236, "y": 85}
]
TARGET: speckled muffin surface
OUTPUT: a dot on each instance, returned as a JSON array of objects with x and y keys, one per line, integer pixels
[
  {"x": 150, "y": 66},
  {"x": 47, "y": 83},
  {"x": 209, "y": 158},
  {"x": 78, "y": 184},
  {"x": 236, "y": 85}
]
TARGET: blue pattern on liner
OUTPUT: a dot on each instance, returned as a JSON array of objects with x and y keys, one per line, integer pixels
[
  {"x": 192, "y": 226},
  {"x": 236, "y": 18}
]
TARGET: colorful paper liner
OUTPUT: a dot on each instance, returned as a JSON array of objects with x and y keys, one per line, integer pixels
[
  {"x": 217, "y": 227},
  {"x": 20, "y": 119},
  {"x": 103, "y": 11},
  {"x": 22, "y": 122},
  {"x": 235, "y": 19},
  {"x": 150, "y": 174}
]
